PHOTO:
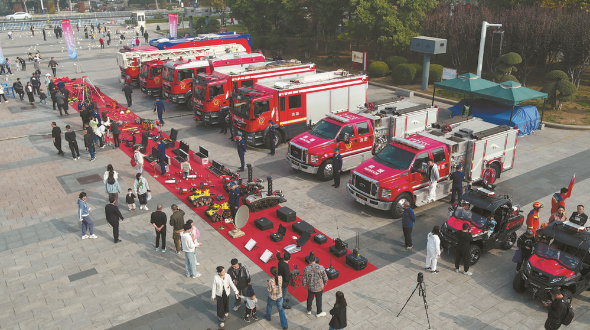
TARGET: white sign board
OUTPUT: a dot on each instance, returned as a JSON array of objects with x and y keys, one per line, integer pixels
[
  {"x": 357, "y": 57},
  {"x": 449, "y": 74}
]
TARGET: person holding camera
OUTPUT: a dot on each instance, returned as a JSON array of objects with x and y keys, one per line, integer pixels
[
  {"x": 464, "y": 238},
  {"x": 314, "y": 279}
]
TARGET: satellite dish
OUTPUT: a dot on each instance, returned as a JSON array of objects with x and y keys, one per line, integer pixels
[{"x": 240, "y": 221}]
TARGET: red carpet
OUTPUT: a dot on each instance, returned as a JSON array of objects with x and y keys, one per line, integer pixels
[{"x": 262, "y": 238}]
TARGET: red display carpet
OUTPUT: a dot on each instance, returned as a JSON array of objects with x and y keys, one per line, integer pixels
[{"x": 262, "y": 238}]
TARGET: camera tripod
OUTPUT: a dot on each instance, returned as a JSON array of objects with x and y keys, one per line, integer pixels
[{"x": 421, "y": 287}]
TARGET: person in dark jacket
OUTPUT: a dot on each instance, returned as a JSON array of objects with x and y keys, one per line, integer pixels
[
  {"x": 162, "y": 154},
  {"x": 30, "y": 94},
  {"x": 89, "y": 144},
  {"x": 160, "y": 109},
  {"x": 19, "y": 89},
  {"x": 338, "y": 313},
  {"x": 56, "y": 135},
  {"x": 36, "y": 83},
  {"x": 61, "y": 103},
  {"x": 128, "y": 91},
  {"x": 457, "y": 187},
  {"x": 525, "y": 244},
  {"x": 241, "y": 151},
  {"x": 112, "y": 213},
  {"x": 579, "y": 217},
  {"x": 464, "y": 239},
  {"x": 241, "y": 277},
  {"x": 408, "y": 219},
  {"x": 177, "y": 222},
  {"x": 272, "y": 136},
  {"x": 115, "y": 130},
  {"x": 234, "y": 200},
  {"x": 158, "y": 220},
  {"x": 72, "y": 142},
  {"x": 556, "y": 311},
  {"x": 53, "y": 65},
  {"x": 222, "y": 120},
  {"x": 52, "y": 93},
  {"x": 337, "y": 166},
  {"x": 284, "y": 272},
  {"x": 146, "y": 36}
]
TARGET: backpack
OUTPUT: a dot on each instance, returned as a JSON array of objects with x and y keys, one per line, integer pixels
[{"x": 569, "y": 315}]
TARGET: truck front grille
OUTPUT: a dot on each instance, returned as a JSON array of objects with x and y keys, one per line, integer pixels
[
  {"x": 297, "y": 153},
  {"x": 365, "y": 185}
]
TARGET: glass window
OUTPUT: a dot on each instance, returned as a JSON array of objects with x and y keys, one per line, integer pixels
[
  {"x": 438, "y": 155},
  {"x": 168, "y": 74},
  {"x": 362, "y": 128},
  {"x": 325, "y": 129},
  {"x": 283, "y": 103},
  {"x": 235, "y": 86},
  {"x": 201, "y": 70},
  {"x": 215, "y": 90},
  {"x": 346, "y": 129},
  {"x": 260, "y": 108},
  {"x": 184, "y": 74},
  {"x": 395, "y": 157},
  {"x": 156, "y": 71},
  {"x": 421, "y": 159},
  {"x": 294, "y": 101},
  {"x": 247, "y": 83}
]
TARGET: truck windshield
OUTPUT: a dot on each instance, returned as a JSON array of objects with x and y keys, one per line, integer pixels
[
  {"x": 567, "y": 260},
  {"x": 325, "y": 129},
  {"x": 479, "y": 216},
  {"x": 143, "y": 71},
  {"x": 200, "y": 92},
  {"x": 242, "y": 109},
  {"x": 155, "y": 71},
  {"x": 201, "y": 82},
  {"x": 168, "y": 74},
  {"x": 395, "y": 157}
]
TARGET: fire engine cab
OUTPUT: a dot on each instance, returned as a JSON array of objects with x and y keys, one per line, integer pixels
[
  {"x": 178, "y": 76},
  {"x": 211, "y": 91},
  {"x": 397, "y": 173},
  {"x": 359, "y": 134},
  {"x": 293, "y": 104}
]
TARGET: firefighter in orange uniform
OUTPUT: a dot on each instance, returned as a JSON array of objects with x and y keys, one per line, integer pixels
[
  {"x": 532, "y": 220},
  {"x": 559, "y": 199}
]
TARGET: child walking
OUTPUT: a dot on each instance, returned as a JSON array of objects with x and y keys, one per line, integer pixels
[
  {"x": 251, "y": 305},
  {"x": 42, "y": 97},
  {"x": 130, "y": 199},
  {"x": 186, "y": 167}
]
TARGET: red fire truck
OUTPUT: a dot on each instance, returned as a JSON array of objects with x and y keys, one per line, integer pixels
[
  {"x": 130, "y": 59},
  {"x": 178, "y": 76},
  {"x": 211, "y": 91},
  {"x": 293, "y": 104},
  {"x": 150, "y": 77},
  {"x": 358, "y": 134},
  {"x": 397, "y": 173}
]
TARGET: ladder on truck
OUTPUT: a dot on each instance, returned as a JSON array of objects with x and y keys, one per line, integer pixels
[{"x": 125, "y": 60}]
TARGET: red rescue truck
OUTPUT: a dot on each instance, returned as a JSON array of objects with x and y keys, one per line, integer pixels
[
  {"x": 150, "y": 77},
  {"x": 397, "y": 173},
  {"x": 293, "y": 104},
  {"x": 211, "y": 91},
  {"x": 178, "y": 76},
  {"x": 358, "y": 134}
]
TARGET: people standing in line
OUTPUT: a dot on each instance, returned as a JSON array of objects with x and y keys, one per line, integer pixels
[
  {"x": 112, "y": 187},
  {"x": 338, "y": 312},
  {"x": 559, "y": 215},
  {"x": 221, "y": 290},
  {"x": 285, "y": 272},
  {"x": 314, "y": 279},
  {"x": 56, "y": 135},
  {"x": 53, "y": 65},
  {"x": 275, "y": 296},
  {"x": 234, "y": 200},
  {"x": 432, "y": 250},
  {"x": 159, "y": 108},
  {"x": 130, "y": 200},
  {"x": 89, "y": 145},
  {"x": 138, "y": 157},
  {"x": 84, "y": 216},
  {"x": 70, "y": 136},
  {"x": 141, "y": 188},
  {"x": 177, "y": 223},
  {"x": 29, "y": 90},
  {"x": 464, "y": 239},
  {"x": 488, "y": 177},
  {"x": 113, "y": 215},
  {"x": 128, "y": 91},
  {"x": 337, "y": 166},
  {"x": 433, "y": 177},
  {"x": 579, "y": 217},
  {"x": 241, "y": 151},
  {"x": 272, "y": 136},
  {"x": 525, "y": 244},
  {"x": 532, "y": 219},
  {"x": 189, "y": 248},
  {"x": 457, "y": 187},
  {"x": 2, "y": 94},
  {"x": 241, "y": 277},
  {"x": 557, "y": 309},
  {"x": 408, "y": 219},
  {"x": 158, "y": 221},
  {"x": 19, "y": 89}
]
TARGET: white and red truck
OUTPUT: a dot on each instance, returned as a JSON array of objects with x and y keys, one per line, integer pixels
[
  {"x": 293, "y": 104},
  {"x": 396, "y": 174},
  {"x": 212, "y": 91},
  {"x": 358, "y": 133}
]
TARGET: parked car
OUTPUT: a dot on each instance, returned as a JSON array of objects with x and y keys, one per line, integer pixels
[{"x": 19, "y": 15}]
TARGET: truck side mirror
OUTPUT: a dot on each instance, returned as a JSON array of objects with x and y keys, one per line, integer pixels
[{"x": 346, "y": 138}]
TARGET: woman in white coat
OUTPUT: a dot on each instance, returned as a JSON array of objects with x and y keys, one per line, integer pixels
[
  {"x": 432, "y": 250},
  {"x": 221, "y": 289}
]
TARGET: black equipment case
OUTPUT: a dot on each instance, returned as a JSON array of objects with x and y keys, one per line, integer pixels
[
  {"x": 356, "y": 261},
  {"x": 286, "y": 214},
  {"x": 263, "y": 223},
  {"x": 332, "y": 273},
  {"x": 278, "y": 236},
  {"x": 301, "y": 227},
  {"x": 339, "y": 249},
  {"x": 320, "y": 239}
]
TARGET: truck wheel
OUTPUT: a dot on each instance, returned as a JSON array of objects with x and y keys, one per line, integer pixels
[
  {"x": 509, "y": 242},
  {"x": 277, "y": 142},
  {"x": 474, "y": 254},
  {"x": 397, "y": 207},
  {"x": 326, "y": 170},
  {"x": 496, "y": 168},
  {"x": 567, "y": 293},
  {"x": 518, "y": 283}
]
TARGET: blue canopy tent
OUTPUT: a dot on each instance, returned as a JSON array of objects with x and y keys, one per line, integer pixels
[{"x": 526, "y": 118}]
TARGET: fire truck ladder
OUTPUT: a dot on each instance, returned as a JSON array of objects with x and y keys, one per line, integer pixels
[
  {"x": 175, "y": 54},
  {"x": 90, "y": 87}
]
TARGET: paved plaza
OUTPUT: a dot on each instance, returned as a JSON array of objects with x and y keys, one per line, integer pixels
[{"x": 52, "y": 279}]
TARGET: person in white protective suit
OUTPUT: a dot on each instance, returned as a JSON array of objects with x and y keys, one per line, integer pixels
[{"x": 432, "y": 250}]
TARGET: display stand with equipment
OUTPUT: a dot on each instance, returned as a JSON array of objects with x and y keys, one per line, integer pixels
[
  {"x": 331, "y": 272},
  {"x": 216, "y": 168},
  {"x": 355, "y": 260},
  {"x": 171, "y": 142},
  {"x": 155, "y": 156},
  {"x": 240, "y": 221},
  {"x": 340, "y": 248},
  {"x": 278, "y": 236},
  {"x": 144, "y": 143},
  {"x": 201, "y": 157}
]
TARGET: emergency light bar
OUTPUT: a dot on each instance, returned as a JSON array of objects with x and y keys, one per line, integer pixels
[
  {"x": 487, "y": 192},
  {"x": 574, "y": 227},
  {"x": 337, "y": 118},
  {"x": 408, "y": 143}
]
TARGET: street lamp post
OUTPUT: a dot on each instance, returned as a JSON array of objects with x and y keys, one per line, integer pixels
[{"x": 482, "y": 42}]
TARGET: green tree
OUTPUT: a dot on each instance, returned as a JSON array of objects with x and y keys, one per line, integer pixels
[
  {"x": 257, "y": 15},
  {"x": 220, "y": 7},
  {"x": 332, "y": 16},
  {"x": 575, "y": 45},
  {"x": 505, "y": 65},
  {"x": 559, "y": 89},
  {"x": 305, "y": 44},
  {"x": 276, "y": 40}
]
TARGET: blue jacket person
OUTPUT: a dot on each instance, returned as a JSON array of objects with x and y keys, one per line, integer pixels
[
  {"x": 159, "y": 107},
  {"x": 272, "y": 136},
  {"x": 234, "y": 200},
  {"x": 241, "y": 151},
  {"x": 457, "y": 187},
  {"x": 162, "y": 154},
  {"x": 337, "y": 165}
]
